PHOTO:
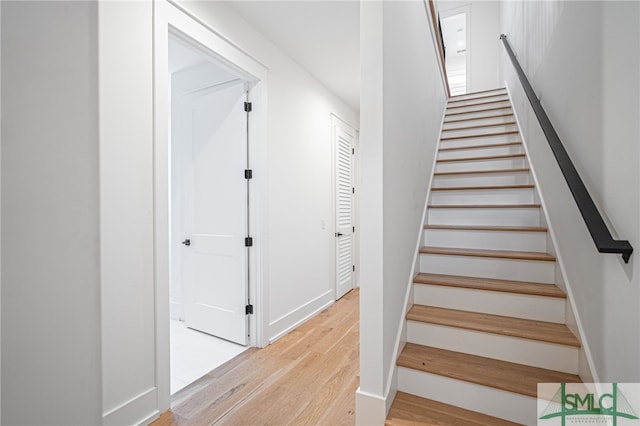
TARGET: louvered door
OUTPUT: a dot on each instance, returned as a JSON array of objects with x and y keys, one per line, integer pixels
[{"x": 344, "y": 141}]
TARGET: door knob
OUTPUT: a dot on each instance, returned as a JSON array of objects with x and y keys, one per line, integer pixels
[
  {"x": 187, "y": 242},
  {"x": 339, "y": 234}
]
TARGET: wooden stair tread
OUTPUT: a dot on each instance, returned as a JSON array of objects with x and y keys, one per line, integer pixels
[
  {"x": 484, "y": 206},
  {"x": 490, "y": 145},
  {"x": 477, "y": 111},
  {"x": 484, "y": 187},
  {"x": 489, "y": 228},
  {"x": 490, "y": 284},
  {"x": 478, "y": 103},
  {"x": 412, "y": 410},
  {"x": 478, "y": 92},
  {"x": 542, "y": 331},
  {"x": 480, "y": 126},
  {"x": 475, "y": 172},
  {"x": 478, "y": 118},
  {"x": 508, "y": 376},
  {"x": 501, "y": 254},
  {"x": 483, "y": 135},
  {"x": 488, "y": 157}
]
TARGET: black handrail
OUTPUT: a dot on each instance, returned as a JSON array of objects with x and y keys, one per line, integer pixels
[{"x": 592, "y": 218}]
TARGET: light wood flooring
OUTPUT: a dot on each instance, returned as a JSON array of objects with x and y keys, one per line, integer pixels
[{"x": 308, "y": 377}]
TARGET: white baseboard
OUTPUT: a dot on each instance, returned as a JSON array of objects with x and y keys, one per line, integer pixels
[
  {"x": 371, "y": 410},
  {"x": 140, "y": 409},
  {"x": 300, "y": 315}
]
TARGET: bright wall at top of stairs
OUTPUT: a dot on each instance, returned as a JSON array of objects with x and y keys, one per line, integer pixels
[
  {"x": 484, "y": 48},
  {"x": 582, "y": 58}
]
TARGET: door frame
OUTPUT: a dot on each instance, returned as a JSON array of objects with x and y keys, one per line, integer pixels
[
  {"x": 172, "y": 17},
  {"x": 355, "y": 176}
]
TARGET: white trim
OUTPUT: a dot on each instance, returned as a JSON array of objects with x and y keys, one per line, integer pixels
[
  {"x": 401, "y": 333},
  {"x": 174, "y": 19},
  {"x": 559, "y": 262},
  {"x": 370, "y": 409},
  {"x": 303, "y": 314},
  {"x": 221, "y": 36},
  {"x": 142, "y": 403}
]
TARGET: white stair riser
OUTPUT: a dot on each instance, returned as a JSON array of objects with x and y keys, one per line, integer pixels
[
  {"x": 477, "y": 108},
  {"x": 485, "y": 216},
  {"x": 481, "y": 140},
  {"x": 478, "y": 114},
  {"x": 468, "y": 96},
  {"x": 448, "y": 133},
  {"x": 486, "y": 98},
  {"x": 540, "y": 308},
  {"x": 475, "y": 165},
  {"x": 483, "y": 196},
  {"x": 492, "y": 240},
  {"x": 480, "y": 152},
  {"x": 480, "y": 179},
  {"x": 488, "y": 267},
  {"x": 505, "y": 348},
  {"x": 493, "y": 402},
  {"x": 480, "y": 122}
]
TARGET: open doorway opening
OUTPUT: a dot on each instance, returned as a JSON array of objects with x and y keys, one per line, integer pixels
[
  {"x": 454, "y": 25},
  {"x": 209, "y": 212}
]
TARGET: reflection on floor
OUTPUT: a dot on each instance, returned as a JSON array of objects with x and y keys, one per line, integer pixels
[{"x": 194, "y": 354}]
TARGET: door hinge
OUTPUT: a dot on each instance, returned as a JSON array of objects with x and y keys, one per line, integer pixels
[
  {"x": 353, "y": 190},
  {"x": 248, "y": 242},
  {"x": 354, "y": 228},
  {"x": 248, "y": 174},
  {"x": 247, "y": 106},
  {"x": 354, "y": 268},
  {"x": 353, "y": 151},
  {"x": 248, "y": 310}
]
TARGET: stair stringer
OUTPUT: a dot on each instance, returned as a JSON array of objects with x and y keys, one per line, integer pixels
[
  {"x": 401, "y": 335},
  {"x": 586, "y": 369}
]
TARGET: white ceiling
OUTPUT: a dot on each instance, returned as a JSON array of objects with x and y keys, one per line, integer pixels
[{"x": 321, "y": 36}]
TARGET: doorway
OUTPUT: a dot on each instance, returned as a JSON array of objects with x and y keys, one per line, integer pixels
[
  {"x": 170, "y": 19},
  {"x": 208, "y": 139},
  {"x": 455, "y": 37},
  {"x": 344, "y": 138}
]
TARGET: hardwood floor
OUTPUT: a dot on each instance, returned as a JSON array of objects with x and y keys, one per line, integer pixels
[{"x": 308, "y": 377}]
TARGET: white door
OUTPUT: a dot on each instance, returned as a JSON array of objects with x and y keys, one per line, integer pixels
[
  {"x": 344, "y": 138},
  {"x": 215, "y": 197}
]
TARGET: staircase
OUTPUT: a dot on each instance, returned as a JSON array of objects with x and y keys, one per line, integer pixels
[{"x": 487, "y": 322}]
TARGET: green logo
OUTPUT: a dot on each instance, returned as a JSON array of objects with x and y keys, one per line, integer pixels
[{"x": 568, "y": 404}]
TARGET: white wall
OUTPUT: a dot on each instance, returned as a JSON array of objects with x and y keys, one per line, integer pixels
[
  {"x": 484, "y": 47},
  {"x": 401, "y": 112},
  {"x": 298, "y": 261},
  {"x": 582, "y": 58},
  {"x": 126, "y": 211},
  {"x": 50, "y": 248}
]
